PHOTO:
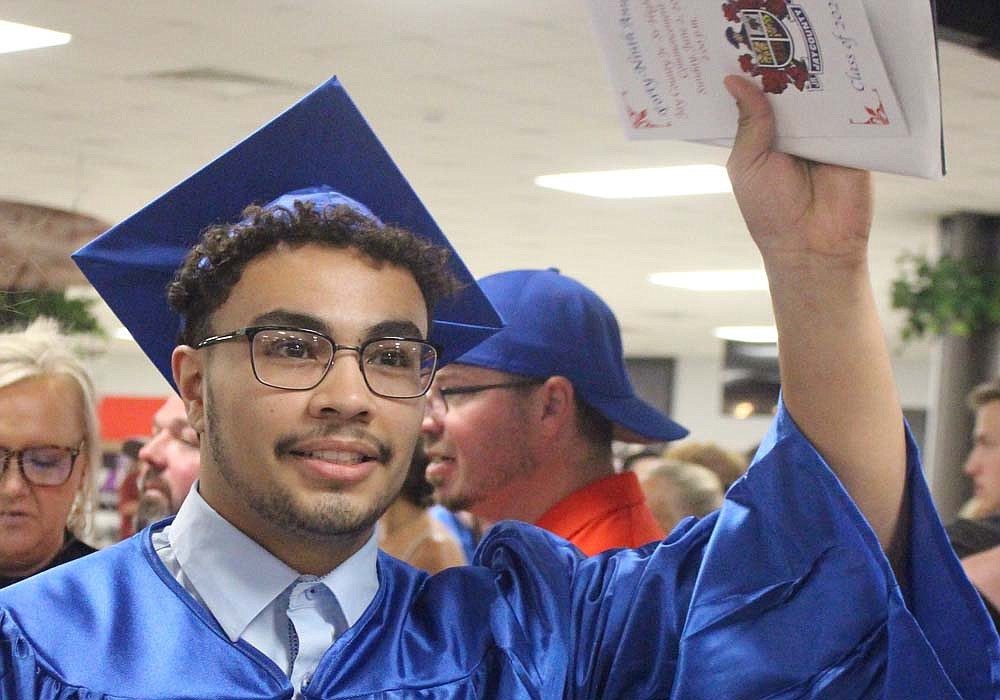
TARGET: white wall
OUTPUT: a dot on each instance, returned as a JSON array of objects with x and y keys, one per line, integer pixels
[
  {"x": 698, "y": 400},
  {"x": 126, "y": 373}
]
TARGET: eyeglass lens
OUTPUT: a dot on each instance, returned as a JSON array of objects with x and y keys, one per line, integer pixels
[
  {"x": 42, "y": 466},
  {"x": 441, "y": 397},
  {"x": 293, "y": 359}
]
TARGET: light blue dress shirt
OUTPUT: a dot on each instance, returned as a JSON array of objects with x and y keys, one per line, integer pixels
[{"x": 253, "y": 595}]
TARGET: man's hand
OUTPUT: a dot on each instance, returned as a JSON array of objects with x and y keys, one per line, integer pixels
[
  {"x": 794, "y": 207},
  {"x": 811, "y": 224}
]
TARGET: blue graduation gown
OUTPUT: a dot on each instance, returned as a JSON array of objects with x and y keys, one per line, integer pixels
[{"x": 783, "y": 593}]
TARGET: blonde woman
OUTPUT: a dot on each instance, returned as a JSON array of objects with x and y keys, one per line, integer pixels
[
  {"x": 49, "y": 447},
  {"x": 675, "y": 490}
]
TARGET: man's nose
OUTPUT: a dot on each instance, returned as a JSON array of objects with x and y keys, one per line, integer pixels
[
  {"x": 433, "y": 415},
  {"x": 971, "y": 464},
  {"x": 343, "y": 390},
  {"x": 151, "y": 454},
  {"x": 12, "y": 481}
]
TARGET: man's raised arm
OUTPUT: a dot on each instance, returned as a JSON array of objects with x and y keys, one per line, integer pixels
[{"x": 811, "y": 223}]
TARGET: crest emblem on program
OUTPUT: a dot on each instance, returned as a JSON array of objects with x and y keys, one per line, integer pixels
[{"x": 779, "y": 43}]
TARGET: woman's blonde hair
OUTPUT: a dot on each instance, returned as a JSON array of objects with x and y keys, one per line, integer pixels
[
  {"x": 40, "y": 350},
  {"x": 727, "y": 465}
]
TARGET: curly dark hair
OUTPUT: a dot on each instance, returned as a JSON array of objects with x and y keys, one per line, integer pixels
[{"x": 214, "y": 266}]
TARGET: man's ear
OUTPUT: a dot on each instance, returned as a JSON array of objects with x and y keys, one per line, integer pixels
[
  {"x": 189, "y": 373},
  {"x": 557, "y": 405}
]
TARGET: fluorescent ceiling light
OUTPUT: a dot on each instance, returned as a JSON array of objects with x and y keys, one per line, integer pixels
[
  {"x": 713, "y": 280},
  {"x": 748, "y": 334},
  {"x": 642, "y": 182},
  {"x": 21, "y": 37}
]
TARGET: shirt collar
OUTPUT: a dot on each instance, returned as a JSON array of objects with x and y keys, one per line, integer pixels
[
  {"x": 355, "y": 582},
  {"x": 592, "y": 502},
  {"x": 237, "y": 578}
]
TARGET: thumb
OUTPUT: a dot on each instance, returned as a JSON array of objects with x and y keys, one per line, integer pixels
[{"x": 755, "y": 131}]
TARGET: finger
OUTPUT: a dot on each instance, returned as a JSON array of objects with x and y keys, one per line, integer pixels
[{"x": 755, "y": 131}]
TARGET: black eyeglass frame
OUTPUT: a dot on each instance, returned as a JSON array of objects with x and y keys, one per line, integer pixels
[
  {"x": 476, "y": 388},
  {"x": 250, "y": 331},
  {"x": 7, "y": 453}
]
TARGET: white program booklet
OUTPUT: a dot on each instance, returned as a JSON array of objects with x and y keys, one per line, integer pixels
[{"x": 852, "y": 82}]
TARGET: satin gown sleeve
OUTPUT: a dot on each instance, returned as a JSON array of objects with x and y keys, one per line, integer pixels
[{"x": 783, "y": 593}]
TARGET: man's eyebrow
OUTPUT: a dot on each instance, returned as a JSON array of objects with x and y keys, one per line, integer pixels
[
  {"x": 406, "y": 329},
  {"x": 283, "y": 317}
]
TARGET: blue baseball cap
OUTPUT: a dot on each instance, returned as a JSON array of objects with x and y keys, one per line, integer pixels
[
  {"x": 320, "y": 149},
  {"x": 555, "y": 326}
]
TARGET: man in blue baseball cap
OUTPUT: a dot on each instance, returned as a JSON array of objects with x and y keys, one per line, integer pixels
[
  {"x": 307, "y": 346},
  {"x": 520, "y": 426}
]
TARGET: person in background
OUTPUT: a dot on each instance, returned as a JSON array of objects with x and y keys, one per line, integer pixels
[
  {"x": 977, "y": 528},
  {"x": 49, "y": 444},
  {"x": 128, "y": 487},
  {"x": 676, "y": 490},
  {"x": 409, "y": 532},
  {"x": 170, "y": 461},
  {"x": 521, "y": 426},
  {"x": 727, "y": 465},
  {"x": 635, "y": 458},
  {"x": 982, "y": 465},
  {"x": 463, "y": 526}
]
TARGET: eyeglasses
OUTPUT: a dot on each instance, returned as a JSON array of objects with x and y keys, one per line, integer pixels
[
  {"x": 298, "y": 359},
  {"x": 41, "y": 466},
  {"x": 440, "y": 396}
]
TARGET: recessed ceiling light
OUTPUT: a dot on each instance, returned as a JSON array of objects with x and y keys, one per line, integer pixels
[
  {"x": 712, "y": 280},
  {"x": 21, "y": 37},
  {"x": 642, "y": 182},
  {"x": 748, "y": 334}
]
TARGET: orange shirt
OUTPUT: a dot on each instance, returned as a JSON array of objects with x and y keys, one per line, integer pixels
[{"x": 606, "y": 514}]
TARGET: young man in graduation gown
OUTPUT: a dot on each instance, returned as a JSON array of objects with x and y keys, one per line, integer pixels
[{"x": 302, "y": 364}]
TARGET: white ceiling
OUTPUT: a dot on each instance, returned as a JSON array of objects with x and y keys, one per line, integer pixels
[{"x": 472, "y": 98}]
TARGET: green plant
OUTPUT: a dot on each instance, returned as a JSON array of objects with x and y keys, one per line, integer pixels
[
  {"x": 18, "y": 308},
  {"x": 949, "y": 296}
]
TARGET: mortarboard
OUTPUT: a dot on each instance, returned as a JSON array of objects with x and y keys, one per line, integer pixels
[{"x": 321, "y": 140}]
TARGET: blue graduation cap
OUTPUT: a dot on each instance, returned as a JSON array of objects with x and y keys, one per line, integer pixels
[{"x": 321, "y": 140}]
